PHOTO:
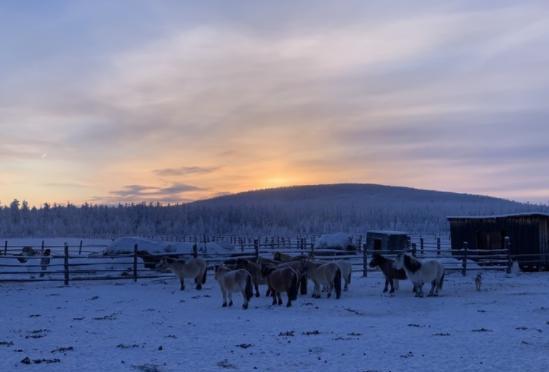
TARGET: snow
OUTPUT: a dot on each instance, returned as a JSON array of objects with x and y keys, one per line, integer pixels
[
  {"x": 125, "y": 326},
  {"x": 335, "y": 240}
]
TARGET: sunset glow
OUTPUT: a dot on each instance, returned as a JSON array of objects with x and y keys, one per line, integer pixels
[{"x": 108, "y": 102}]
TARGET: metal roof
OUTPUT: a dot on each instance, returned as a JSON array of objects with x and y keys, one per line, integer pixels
[{"x": 496, "y": 216}]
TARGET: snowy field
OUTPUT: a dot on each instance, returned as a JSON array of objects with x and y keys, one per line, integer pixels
[{"x": 152, "y": 326}]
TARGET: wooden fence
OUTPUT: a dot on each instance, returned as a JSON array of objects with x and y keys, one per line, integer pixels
[{"x": 80, "y": 262}]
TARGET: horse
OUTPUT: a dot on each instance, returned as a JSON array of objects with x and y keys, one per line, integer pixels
[
  {"x": 151, "y": 261},
  {"x": 45, "y": 261},
  {"x": 328, "y": 275},
  {"x": 194, "y": 268},
  {"x": 392, "y": 275},
  {"x": 299, "y": 267},
  {"x": 421, "y": 272},
  {"x": 280, "y": 280},
  {"x": 25, "y": 253},
  {"x": 231, "y": 281},
  {"x": 346, "y": 271},
  {"x": 255, "y": 271},
  {"x": 282, "y": 257},
  {"x": 478, "y": 281}
]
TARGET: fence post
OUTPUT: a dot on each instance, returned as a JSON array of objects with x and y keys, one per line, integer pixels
[
  {"x": 80, "y": 249},
  {"x": 438, "y": 245},
  {"x": 195, "y": 251},
  {"x": 507, "y": 243},
  {"x": 421, "y": 246},
  {"x": 42, "y": 248},
  {"x": 66, "y": 264},
  {"x": 464, "y": 259},
  {"x": 365, "y": 260},
  {"x": 135, "y": 263},
  {"x": 6, "y": 248},
  {"x": 256, "y": 248}
]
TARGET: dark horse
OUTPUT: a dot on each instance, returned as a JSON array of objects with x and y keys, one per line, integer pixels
[{"x": 391, "y": 274}]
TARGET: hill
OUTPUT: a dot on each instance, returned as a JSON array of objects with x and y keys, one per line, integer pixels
[{"x": 353, "y": 208}]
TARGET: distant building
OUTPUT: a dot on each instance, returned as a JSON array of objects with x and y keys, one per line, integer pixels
[
  {"x": 528, "y": 235},
  {"x": 387, "y": 242}
]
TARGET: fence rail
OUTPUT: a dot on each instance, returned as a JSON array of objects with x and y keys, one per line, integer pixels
[{"x": 82, "y": 262}]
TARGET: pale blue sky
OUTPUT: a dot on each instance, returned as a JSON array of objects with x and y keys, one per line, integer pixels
[{"x": 108, "y": 101}]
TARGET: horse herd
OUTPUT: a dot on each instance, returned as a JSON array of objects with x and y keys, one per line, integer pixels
[{"x": 290, "y": 275}]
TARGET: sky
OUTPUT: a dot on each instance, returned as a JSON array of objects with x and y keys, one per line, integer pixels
[{"x": 174, "y": 101}]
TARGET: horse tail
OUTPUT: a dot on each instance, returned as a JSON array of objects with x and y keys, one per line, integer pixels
[
  {"x": 249, "y": 289},
  {"x": 292, "y": 291},
  {"x": 337, "y": 283},
  {"x": 205, "y": 275},
  {"x": 441, "y": 281},
  {"x": 303, "y": 284},
  {"x": 350, "y": 276}
]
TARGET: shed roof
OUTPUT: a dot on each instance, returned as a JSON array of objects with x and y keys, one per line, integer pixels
[
  {"x": 500, "y": 216},
  {"x": 388, "y": 232}
]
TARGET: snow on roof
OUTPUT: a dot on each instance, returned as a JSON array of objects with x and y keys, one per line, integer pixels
[
  {"x": 388, "y": 232},
  {"x": 510, "y": 215}
]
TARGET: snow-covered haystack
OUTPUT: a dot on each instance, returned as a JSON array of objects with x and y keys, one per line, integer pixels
[
  {"x": 126, "y": 245},
  {"x": 338, "y": 240}
]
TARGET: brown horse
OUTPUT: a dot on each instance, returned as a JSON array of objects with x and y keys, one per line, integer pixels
[
  {"x": 392, "y": 275},
  {"x": 282, "y": 280}
]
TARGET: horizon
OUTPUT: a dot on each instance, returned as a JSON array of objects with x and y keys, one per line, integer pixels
[
  {"x": 107, "y": 103},
  {"x": 165, "y": 204}
]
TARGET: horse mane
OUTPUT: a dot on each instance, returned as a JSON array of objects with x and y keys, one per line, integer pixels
[{"x": 411, "y": 264}]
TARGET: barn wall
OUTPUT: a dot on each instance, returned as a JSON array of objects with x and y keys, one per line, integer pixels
[{"x": 528, "y": 234}]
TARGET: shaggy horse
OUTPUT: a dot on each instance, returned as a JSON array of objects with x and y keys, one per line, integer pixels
[
  {"x": 255, "y": 271},
  {"x": 299, "y": 267},
  {"x": 421, "y": 272},
  {"x": 195, "y": 268},
  {"x": 328, "y": 275},
  {"x": 392, "y": 275},
  {"x": 231, "y": 281},
  {"x": 281, "y": 280}
]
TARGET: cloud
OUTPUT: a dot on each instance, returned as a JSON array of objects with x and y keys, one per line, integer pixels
[
  {"x": 184, "y": 171},
  {"x": 414, "y": 94}
]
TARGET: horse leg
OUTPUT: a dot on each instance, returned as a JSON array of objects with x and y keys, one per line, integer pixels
[
  {"x": 230, "y": 298},
  {"x": 289, "y": 300},
  {"x": 392, "y": 283},
  {"x": 198, "y": 281},
  {"x": 395, "y": 281},
  {"x": 182, "y": 282},
  {"x": 316, "y": 291},
  {"x": 279, "y": 298},
  {"x": 224, "y": 293},
  {"x": 432, "y": 291},
  {"x": 329, "y": 288},
  {"x": 386, "y": 285},
  {"x": 273, "y": 292},
  {"x": 420, "y": 290},
  {"x": 256, "y": 287},
  {"x": 245, "y": 303}
]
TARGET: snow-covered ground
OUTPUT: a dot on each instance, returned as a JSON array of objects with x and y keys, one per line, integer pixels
[{"x": 152, "y": 326}]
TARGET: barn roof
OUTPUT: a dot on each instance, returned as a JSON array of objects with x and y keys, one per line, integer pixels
[{"x": 500, "y": 216}]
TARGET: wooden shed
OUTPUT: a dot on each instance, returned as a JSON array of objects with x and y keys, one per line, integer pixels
[
  {"x": 528, "y": 235},
  {"x": 388, "y": 242}
]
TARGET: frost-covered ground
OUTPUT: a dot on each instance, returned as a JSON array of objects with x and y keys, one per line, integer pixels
[{"x": 126, "y": 326}]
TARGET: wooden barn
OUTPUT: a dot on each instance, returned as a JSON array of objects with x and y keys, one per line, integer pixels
[
  {"x": 388, "y": 242},
  {"x": 528, "y": 235}
]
